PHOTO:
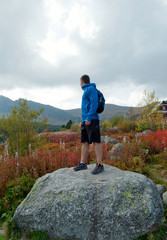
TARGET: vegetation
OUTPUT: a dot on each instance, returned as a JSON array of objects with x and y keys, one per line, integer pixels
[
  {"x": 145, "y": 154},
  {"x": 75, "y": 128},
  {"x": 147, "y": 119},
  {"x": 16, "y": 190},
  {"x": 67, "y": 126},
  {"x": 20, "y": 128},
  {"x": 146, "y": 116},
  {"x": 63, "y": 150}
]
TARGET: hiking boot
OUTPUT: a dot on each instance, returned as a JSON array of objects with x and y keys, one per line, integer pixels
[
  {"x": 98, "y": 169},
  {"x": 81, "y": 166}
]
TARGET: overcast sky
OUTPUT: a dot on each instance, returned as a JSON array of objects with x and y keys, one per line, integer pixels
[{"x": 46, "y": 45}]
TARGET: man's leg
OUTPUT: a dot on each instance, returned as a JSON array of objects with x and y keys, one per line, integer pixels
[
  {"x": 84, "y": 155},
  {"x": 99, "y": 155},
  {"x": 84, "y": 152},
  {"x": 99, "y": 152}
]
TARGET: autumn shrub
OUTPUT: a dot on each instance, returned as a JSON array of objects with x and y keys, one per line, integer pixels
[
  {"x": 132, "y": 156},
  {"x": 148, "y": 116},
  {"x": 138, "y": 152},
  {"x": 46, "y": 159},
  {"x": 105, "y": 125},
  {"x": 75, "y": 128},
  {"x": 126, "y": 126},
  {"x": 109, "y": 130},
  {"x": 64, "y": 136},
  {"x": 38, "y": 163},
  {"x": 155, "y": 142},
  {"x": 160, "y": 161}
]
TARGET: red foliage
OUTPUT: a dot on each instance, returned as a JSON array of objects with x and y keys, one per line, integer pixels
[
  {"x": 62, "y": 150},
  {"x": 59, "y": 137},
  {"x": 155, "y": 142},
  {"x": 37, "y": 163}
]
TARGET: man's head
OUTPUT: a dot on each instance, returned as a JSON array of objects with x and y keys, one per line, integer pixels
[{"x": 84, "y": 80}]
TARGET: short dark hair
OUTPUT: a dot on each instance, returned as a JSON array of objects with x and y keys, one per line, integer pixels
[{"x": 85, "y": 79}]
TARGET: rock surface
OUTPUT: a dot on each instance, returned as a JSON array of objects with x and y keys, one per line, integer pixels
[
  {"x": 113, "y": 205},
  {"x": 116, "y": 150},
  {"x": 144, "y": 133},
  {"x": 107, "y": 139},
  {"x": 161, "y": 189},
  {"x": 164, "y": 196}
]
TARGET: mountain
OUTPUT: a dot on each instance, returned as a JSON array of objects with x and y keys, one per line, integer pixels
[
  {"x": 110, "y": 111},
  {"x": 58, "y": 116},
  {"x": 55, "y": 116},
  {"x": 5, "y": 105}
]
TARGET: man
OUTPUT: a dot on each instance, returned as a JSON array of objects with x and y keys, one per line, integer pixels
[{"x": 90, "y": 129}]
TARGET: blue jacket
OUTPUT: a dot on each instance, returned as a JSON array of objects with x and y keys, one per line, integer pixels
[{"x": 89, "y": 102}]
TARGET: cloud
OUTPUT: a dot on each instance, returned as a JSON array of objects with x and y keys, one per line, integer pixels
[{"x": 49, "y": 44}]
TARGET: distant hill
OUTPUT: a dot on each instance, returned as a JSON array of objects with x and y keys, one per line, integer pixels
[
  {"x": 58, "y": 116},
  {"x": 110, "y": 111}
]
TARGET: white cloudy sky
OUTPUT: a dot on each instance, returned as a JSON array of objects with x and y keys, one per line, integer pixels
[{"x": 46, "y": 45}]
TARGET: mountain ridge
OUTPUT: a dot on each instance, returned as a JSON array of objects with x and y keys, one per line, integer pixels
[{"x": 59, "y": 116}]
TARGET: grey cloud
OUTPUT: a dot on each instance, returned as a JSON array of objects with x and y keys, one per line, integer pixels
[
  {"x": 130, "y": 44},
  {"x": 21, "y": 24}
]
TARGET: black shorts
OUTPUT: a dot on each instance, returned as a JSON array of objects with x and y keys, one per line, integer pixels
[{"x": 90, "y": 133}]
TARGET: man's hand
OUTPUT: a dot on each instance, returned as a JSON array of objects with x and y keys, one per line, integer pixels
[
  {"x": 87, "y": 122},
  {"x": 80, "y": 124}
]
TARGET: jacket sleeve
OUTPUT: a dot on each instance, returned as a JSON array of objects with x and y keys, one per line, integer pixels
[{"x": 93, "y": 97}]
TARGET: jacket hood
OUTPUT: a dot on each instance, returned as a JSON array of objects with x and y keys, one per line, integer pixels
[{"x": 88, "y": 85}]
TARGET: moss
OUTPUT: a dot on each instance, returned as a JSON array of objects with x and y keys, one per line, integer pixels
[
  {"x": 129, "y": 198},
  {"x": 66, "y": 197}
]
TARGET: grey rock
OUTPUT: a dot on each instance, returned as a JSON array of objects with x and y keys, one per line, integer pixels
[
  {"x": 146, "y": 151},
  {"x": 138, "y": 135},
  {"x": 107, "y": 139},
  {"x": 164, "y": 196},
  {"x": 116, "y": 150},
  {"x": 144, "y": 133},
  {"x": 23, "y": 238},
  {"x": 125, "y": 139},
  {"x": 116, "y": 204},
  {"x": 161, "y": 189}
]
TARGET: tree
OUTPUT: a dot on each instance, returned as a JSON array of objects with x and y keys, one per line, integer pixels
[
  {"x": 148, "y": 117},
  {"x": 20, "y": 128},
  {"x": 131, "y": 114},
  {"x": 117, "y": 119},
  {"x": 68, "y": 125}
]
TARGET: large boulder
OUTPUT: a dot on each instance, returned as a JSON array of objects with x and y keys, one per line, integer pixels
[{"x": 113, "y": 205}]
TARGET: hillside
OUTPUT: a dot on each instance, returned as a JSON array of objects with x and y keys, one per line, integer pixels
[
  {"x": 110, "y": 111},
  {"x": 58, "y": 116}
]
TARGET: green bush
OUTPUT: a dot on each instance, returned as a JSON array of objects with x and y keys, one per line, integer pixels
[
  {"x": 38, "y": 236},
  {"x": 117, "y": 119},
  {"x": 16, "y": 191},
  {"x": 126, "y": 126}
]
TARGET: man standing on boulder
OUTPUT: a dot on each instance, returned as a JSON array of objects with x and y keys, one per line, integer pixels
[{"x": 90, "y": 129}]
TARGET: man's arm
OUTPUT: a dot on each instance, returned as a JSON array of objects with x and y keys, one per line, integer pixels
[{"x": 93, "y": 97}]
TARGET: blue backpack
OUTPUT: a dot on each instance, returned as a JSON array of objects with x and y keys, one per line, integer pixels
[{"x": 101, "y": 102}]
